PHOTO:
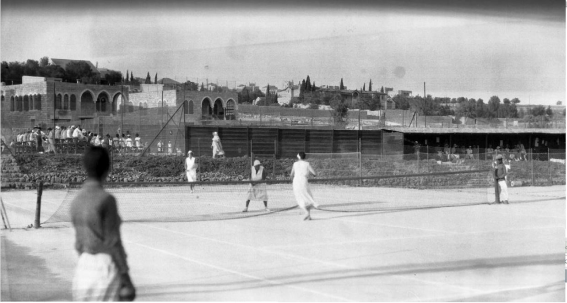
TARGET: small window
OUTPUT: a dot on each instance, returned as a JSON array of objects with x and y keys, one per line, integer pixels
[
  {"x": 73, "y": 103},
  {"x": 37, "y": 105}
]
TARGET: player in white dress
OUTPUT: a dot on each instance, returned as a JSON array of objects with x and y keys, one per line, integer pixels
[
  {"x": 257, "y": 191},
  {"x": 191, "y": 169},
  {"x": 300, "y": 173}
]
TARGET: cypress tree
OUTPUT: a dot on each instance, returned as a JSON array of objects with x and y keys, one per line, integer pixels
[
  {"x": 127, "y": 76},
  {"x": 342, "y": 86},
  {"x": 382, "y": 89},
  {"x": 131, "y": 76},
  {"x": 370, "y": 85},
  {"x": 308, "y": 84},
  {"x": 155, "y": 81},
  {"x": 364, "y": 87},
  {"x": 313, "y": 87},
  {"x": 148, "y": 79}
]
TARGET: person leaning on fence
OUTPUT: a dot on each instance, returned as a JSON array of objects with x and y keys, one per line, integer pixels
[
  {"x": 257, "y": 191},
  {"x": 102, "y": 270},
  {"x": 159, "y": 146},
  {"x": 500, "y": 176}
]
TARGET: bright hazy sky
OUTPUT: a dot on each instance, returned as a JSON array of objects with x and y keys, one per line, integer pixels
[{"x": 458, "y": 49}]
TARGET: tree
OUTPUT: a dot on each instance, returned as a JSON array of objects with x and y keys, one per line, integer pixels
[
  {"x": 339, "y": 113},
  {"x": 493, "y": 106},
  {"x": 155, "y": 79},
  {"x": 80, "y": 70},
  {"x": 43, "y": 62},
  {"x": 564, "y": 112},
  {"x": 401, "y": 102},
  {"x": 515, "y": 101},
  {"x": 370, "y": 85},
  {"x": 521, "y": 113},
  {"x": 127, "y": 75},
  {"x": 308, "y": 84},
  {"x": 341, "y": 87},
  {"x": 268, "y": 90},
  {"x": 548, "y": 111},
  {"x": 382, "y": 89},
  {"x": 364, "y": 87},
  {"x": 131, "y": 76},
  {"x": 559, "y": 103},
  {"x": 113, "y": 77},
  {"x": 148, "y": 79},
  {"x": 313, "y": 87},
  {"x": 538, "y": 110},
  {"x": 302, "y": 88}
]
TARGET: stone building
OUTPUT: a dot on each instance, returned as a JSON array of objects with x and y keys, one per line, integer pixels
[
  {"x": 44, "y": 101},
  {"x": 208, "y": 105}
]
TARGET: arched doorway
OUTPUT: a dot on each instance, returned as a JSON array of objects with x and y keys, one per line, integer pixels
[
  {"x": 218, "y": 110},
  {"x": 102, "y": 102},
  {"x": 190, "y": 107},
  {"x": 87, "y": 104},
  {"x": 117, "y": 103},
  {"x": 66, "y": 102},
  {"x": 206, "y": 109}
]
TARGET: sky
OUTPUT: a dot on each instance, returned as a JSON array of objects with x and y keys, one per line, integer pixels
[{"x": 475, "y": 49}]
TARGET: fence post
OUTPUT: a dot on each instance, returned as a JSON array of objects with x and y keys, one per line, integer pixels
[
  {"x": 427, "y": 151},
  {"x": 38, "y": 205},
  {"x": 532, "y": 160},
  {"x": 549, "y": 167}
]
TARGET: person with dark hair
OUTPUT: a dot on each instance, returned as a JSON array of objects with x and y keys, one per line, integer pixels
[
  {"x": 102, "y": 270},
  {"x": 500, "y": 173},
  {"x": 257, "y": 191},
  {"x": 300, "y": 173},
  {"x": 115, "y": 142}
]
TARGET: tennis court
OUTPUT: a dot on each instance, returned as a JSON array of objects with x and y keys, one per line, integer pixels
[{"x": 470, "y": 252}]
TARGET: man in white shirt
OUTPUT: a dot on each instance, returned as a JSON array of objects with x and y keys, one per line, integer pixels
[
  {"x": 76, "y": 134},
  {"x": 129, "y": 143}
]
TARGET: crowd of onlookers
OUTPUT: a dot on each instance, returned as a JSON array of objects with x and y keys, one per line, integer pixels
[
  {"x": 447, "y": 153},
  {"x": 70, "y": 139}
]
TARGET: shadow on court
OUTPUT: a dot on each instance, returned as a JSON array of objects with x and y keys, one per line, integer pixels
[{"x": 408, "y": 269}]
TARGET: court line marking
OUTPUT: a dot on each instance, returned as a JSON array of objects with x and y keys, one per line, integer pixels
[
  {"x": 412, "y": 238},
  {"x": 291, "y": 256},
  {"x": 240, "y": 273}
]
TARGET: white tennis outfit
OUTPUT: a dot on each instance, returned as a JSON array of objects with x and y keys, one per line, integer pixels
[
  {"x": 191, "y": 169},
  {"x": 257, "y": 191},
  {"x": 301, "y": 170}
]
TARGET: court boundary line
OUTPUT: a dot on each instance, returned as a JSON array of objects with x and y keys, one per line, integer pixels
[
  {"x": 269, "y": 281},
  {"x": 291, "y": 256}
]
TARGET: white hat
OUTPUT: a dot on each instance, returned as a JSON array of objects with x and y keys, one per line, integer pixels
[
  {"x": 56, "y": 126},
  {"x": 256, "y": 162},
  {"x": 189, "y": 152}
]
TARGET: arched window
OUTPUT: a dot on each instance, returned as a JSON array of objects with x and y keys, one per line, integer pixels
[
  {"x": 37, "y": 101},
  {"x": 190, "y": 107},
  {"x": 140, "y": 106},
  {"x": 58, "y": 102},
  {"x": 73, "y": 103},
  {"x": 26, "y": 103},
  {"x": 20, "y": 103},
  {"x": 66, "y": 102},
  {"x": 31, "y": 101},
  {"x": 12, "y": 104},
  {"x": 230, "y": 110}
]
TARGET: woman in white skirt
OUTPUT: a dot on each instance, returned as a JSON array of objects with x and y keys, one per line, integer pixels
[
  {"x": 191, "y": 169},
  {"x": 300, "y": 173}
]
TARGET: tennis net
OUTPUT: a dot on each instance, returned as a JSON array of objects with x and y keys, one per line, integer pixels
[{"x": 221, "y": 200}]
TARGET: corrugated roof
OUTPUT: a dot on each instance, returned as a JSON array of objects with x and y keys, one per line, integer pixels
[
  {"x": 63, "y": 63},
  {"x": 471, "y": 130}
]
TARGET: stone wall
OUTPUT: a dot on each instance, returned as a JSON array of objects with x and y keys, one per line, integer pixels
[{"x": 153, "y": 98}]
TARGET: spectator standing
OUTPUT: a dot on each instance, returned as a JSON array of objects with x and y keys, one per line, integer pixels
[
  {"x": 129, "y": 143},
  {"x": 116, "y": 142},
  {"x": 123, "y": 143},
  {"x": 469, "y": 153},
  {"x": 57, "y": 134},
  {"x": 138, "y": 142},
  {"x": 76, "y": 135}
]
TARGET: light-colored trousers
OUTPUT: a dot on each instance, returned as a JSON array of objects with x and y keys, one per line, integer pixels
[
  {"x": 503, "y": 190},
  {"x": 96, "y": 278}
]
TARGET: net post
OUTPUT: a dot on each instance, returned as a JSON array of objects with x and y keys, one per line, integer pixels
[
  {"x": 5, "y": 214},
  {"x": 38, "y": 205}
]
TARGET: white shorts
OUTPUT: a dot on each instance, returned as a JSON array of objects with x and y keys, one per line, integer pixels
[{"x": 96, "y": 278}]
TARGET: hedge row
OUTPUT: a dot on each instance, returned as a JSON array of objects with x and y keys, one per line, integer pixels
[{"x": 68, "y": 168}]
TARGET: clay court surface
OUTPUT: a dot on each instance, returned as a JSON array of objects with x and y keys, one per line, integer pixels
[{"x": 465, "y": 253}]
